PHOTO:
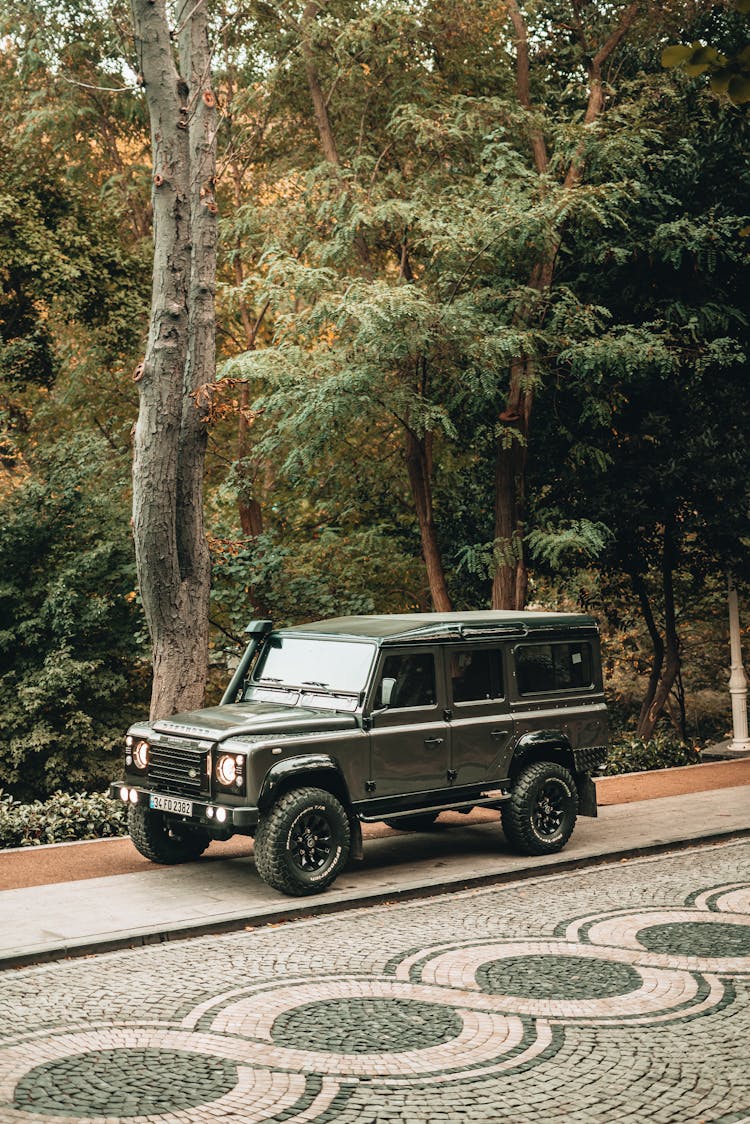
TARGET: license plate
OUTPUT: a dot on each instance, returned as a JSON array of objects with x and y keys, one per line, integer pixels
[{"x": 171, "y": 804}]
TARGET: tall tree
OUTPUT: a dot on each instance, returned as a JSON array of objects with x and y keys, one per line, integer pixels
[
  {"x": 170, "y": 436},
  {"x": 596, "y": 46},
  {"x": 643, "y": 422}
]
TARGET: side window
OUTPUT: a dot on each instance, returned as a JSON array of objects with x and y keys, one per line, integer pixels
[
  {"x": 476, "y": 675},
  {"x": 552, "y": 667},
  {"x": 414, "y": 680}
]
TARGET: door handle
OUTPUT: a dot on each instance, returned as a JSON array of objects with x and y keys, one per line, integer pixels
[
  {"x": 499, "y": 733},
  {"x": 433, "y": 741}
]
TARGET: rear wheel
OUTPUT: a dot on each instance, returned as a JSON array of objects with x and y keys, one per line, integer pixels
[
  {"x": 303, "y": 842},
  {"x": 540, "y": 816},
  {"x": 163, "y": 841},
  {"x": 420, "y": 821}
]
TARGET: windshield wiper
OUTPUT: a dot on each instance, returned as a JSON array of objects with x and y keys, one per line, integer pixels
[
  {"x": 277, "y": 684},
  {"x": 313, "y": 683}
]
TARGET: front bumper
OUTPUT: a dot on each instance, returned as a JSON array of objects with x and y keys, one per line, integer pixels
[{"x": 237, "y": 817}]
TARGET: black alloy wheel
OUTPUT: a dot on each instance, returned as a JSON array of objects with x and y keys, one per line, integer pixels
[
  {"x": 550, "y": 808},
  {"x": 311, "y": 840},
  {"x": 302, "y": 843},
  {"x": 540, "y": 816}
]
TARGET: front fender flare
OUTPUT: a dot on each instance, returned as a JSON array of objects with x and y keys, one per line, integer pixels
[{"x": 297, "y": 768}]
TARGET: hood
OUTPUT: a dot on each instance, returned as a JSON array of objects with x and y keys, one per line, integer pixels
[{"x": 254, "y": 719}]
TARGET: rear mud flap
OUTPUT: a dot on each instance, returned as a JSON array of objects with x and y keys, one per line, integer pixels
[
  {"x": 586, "y": 795},
  {"x": 356, "y": 851}
]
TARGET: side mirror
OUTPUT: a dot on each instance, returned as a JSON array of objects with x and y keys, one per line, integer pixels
[{"x": 386, "y": 691}]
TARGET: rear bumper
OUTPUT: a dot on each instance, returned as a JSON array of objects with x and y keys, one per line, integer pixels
[{"x": 202, "y": 811}]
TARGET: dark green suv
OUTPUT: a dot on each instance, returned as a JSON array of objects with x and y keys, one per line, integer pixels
[{"x": 359, "y": 719}]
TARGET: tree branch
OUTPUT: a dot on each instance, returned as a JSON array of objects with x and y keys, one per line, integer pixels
[{"x": 523, "y": 90}]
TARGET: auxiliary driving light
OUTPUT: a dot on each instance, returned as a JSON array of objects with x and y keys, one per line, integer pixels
[
  {"x": 221, "y": 814},
  {"x": 209, "y": 813},
  {"x": 133, "y": 796},
  {"x": 124, "y": 794}
]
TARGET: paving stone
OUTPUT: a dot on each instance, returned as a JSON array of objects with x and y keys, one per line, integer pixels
[{"x": 618, "y": 993}]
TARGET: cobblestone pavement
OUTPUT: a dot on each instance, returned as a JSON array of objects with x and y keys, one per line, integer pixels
[{"x": 616, "y": 994}]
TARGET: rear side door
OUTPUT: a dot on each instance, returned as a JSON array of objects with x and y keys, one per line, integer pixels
[
  {"x": 481, "y": 725},
  {"x": 409, "y": 740}
]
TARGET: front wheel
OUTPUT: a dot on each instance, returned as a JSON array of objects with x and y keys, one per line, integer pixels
[
  {"x": 303, "y": 842},
  {"x": 164, "y": 842},
  {"x": 540, "y": 816}
]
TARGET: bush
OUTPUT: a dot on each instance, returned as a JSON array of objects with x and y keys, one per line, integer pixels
[
  {"x": 630, "y": 754},
  {"x": 61, "y": 818},
  {"x": 73, "y": 674}
]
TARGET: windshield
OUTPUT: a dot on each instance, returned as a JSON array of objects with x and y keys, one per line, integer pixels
[{"x": 334, "y": 665}]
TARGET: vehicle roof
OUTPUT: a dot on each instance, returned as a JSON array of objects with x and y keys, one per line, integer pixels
[{"x": 403, "y": 627}]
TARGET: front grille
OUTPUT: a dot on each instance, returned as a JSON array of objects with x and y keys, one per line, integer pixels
[{"x": 179, "y": 770}]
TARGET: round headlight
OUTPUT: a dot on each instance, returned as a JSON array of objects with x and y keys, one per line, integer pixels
[
  {"x": 226, "y": 770},
  {"x": 140, "y": 755}
]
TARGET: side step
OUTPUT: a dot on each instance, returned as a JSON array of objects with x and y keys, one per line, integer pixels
[{"x": 490, "y": 800}]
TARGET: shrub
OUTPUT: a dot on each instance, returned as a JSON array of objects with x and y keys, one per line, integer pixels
[
  {"x": 64, "y": 816},
  {"x": 630, "y": 754},
  {"x": 72, "y": 668}
]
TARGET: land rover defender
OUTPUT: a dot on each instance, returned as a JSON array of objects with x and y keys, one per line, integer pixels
[{"x": 329, "y": 725}]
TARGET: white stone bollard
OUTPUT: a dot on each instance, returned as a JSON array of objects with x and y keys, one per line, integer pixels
[{"x": 740, "y": 742}]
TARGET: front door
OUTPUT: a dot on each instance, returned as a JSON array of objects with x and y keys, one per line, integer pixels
[
  {"x": 481, "y": 726},
  {"x": 409, "y": 741}
]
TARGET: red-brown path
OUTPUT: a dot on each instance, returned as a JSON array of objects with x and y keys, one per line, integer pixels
[{"x": 41, "y": 866}]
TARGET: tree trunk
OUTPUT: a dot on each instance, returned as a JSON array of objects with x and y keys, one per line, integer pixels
[
  {"x": 419, "y": 468},
  {"x": 170, "y": 436},
  {"x": 322, "y": 117},
  {"x": 657, "y": 645},
  {"x": 672, "y": 662},
  {"x": 251, "y": 514},
  {"x": 510, "y": 579}
]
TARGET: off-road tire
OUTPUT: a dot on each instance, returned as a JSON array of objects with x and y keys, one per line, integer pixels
[
  {"x": 420, "y": 821},
  {"x": 164, "y": 842},
  {"x": 302, "y": 843},
  {"x": 540, "y": 816}
]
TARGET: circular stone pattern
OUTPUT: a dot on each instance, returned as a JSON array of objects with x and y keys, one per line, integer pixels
[
  {"x": 705, "y": 939},
  {"x": 366, "y": 1026},
  {"x": 124, "y": 1083},
  {"x": 557, "y": 977}
]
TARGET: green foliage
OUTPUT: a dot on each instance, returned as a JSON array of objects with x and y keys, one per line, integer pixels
[
  {"x": 629, "y": 754},
  {"x": 385, "y": 295},
  {"x": 323, "y": 574},
  {"x": 581, "y": 542},
  {"x": 729, "y": 73},
  {"x": 63, "y": 817},
  {"x": 71, "y": 675}
]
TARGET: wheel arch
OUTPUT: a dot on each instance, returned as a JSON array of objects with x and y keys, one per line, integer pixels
[
  {"x": 542, "y": 745},
  {"x": 318, "y": 770},
  {"x": 553, "y": 745}
]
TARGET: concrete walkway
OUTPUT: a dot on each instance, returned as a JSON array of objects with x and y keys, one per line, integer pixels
[{"x": 72, "y": 918}]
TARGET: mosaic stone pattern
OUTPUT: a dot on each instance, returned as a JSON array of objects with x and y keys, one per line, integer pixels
[{"x": 617, "y": 994}]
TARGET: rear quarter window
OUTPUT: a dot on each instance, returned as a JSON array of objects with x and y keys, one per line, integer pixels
[{"x": 547, "y": 668}]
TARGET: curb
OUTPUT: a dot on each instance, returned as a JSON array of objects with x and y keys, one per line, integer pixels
[
  {"x": 319, "y": 908},
  {"x": 679, "y": 780}
]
